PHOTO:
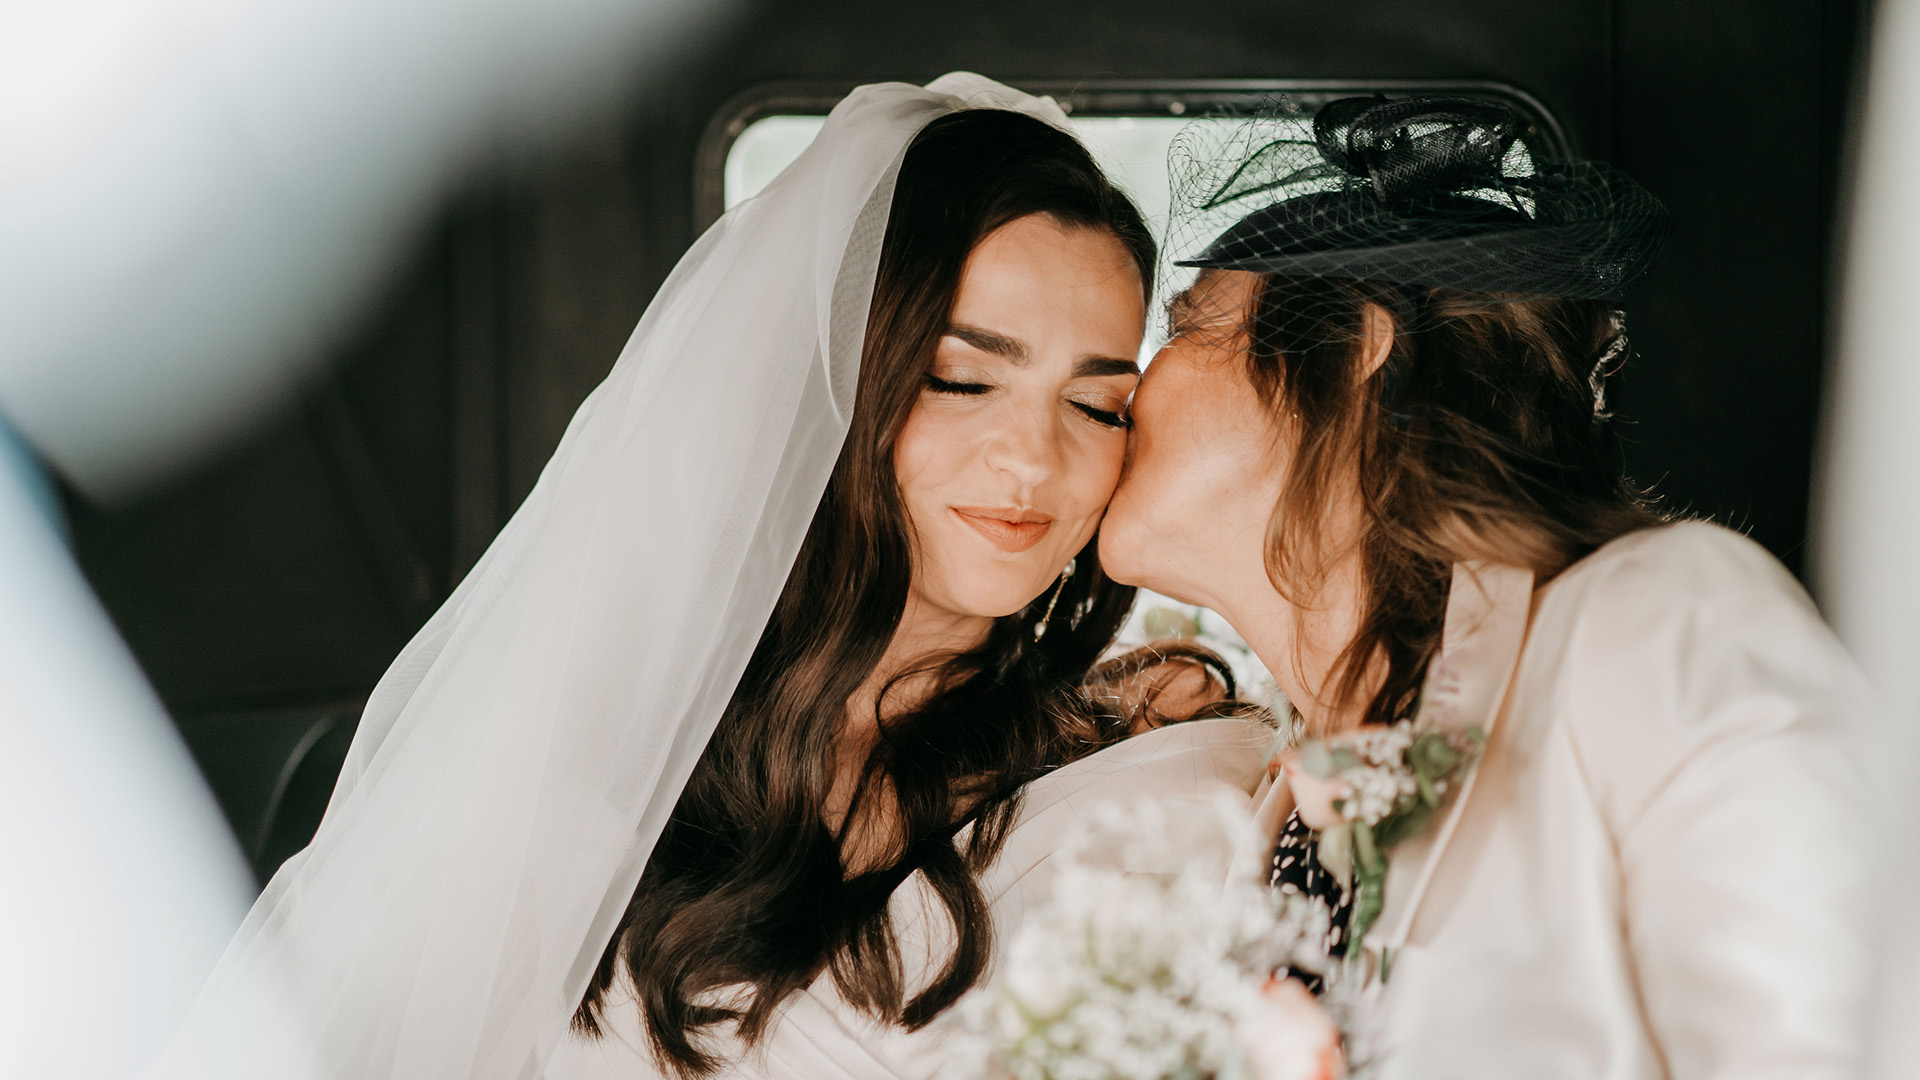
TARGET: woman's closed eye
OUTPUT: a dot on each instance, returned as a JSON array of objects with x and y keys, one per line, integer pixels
[
  {"x": 957, "y": 387},
  {"x": 1100, "y": 414},
  {"x": 1102, "y": 409}
]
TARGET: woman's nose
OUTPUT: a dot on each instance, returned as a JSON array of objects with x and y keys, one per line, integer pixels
[{"x": 1026, "y": 446}]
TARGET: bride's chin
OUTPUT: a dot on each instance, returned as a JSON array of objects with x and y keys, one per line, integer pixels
[{"x": 983, "y": 598}]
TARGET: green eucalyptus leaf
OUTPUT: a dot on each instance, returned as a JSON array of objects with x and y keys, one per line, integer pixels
[
  {"x": 1432, "y": 756},
  {"x": 1336, "y": 853},
  {"x": 1367, "y": 857},
  {"x": 1316, "y": 759},
  {"x": 1401, "y": 825},
  {"x": 1370, "y": 898},
  {"x": 1345, "y": 758},
  {"x": 1428, "y": 793}
]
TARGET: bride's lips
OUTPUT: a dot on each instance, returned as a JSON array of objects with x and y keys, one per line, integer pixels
[{"x": 1005, "y": 527}]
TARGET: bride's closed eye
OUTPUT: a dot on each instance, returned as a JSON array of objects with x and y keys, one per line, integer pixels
[
  {"x": 1111, "y": 417},
  {"x": 1099, "y": 411},
  {"x": 956, "y": 387}
]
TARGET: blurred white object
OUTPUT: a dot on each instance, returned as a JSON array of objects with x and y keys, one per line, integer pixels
[
  {"x": 193, "y": 193},
  {"x": 121, "y": 881},
  {"x": 1867, "y": 499}
]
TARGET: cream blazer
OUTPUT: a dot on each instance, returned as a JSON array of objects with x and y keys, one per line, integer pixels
[{"x": 1663, "y": 866}]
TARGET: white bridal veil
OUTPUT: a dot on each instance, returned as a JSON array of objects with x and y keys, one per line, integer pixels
[{"x": 520, "y": 757}]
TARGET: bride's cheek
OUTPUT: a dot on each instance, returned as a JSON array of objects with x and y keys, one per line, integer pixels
[
  {"x": 1101, "y": 468},
  {"x": 1096, "y": 475},
  {"x": 916, "y": 450}
]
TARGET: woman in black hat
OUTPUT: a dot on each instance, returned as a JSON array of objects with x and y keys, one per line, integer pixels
[{"x": 1378, "y": 444}]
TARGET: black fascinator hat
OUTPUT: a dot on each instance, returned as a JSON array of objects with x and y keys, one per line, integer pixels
[{"x": 1423, "y": 191}]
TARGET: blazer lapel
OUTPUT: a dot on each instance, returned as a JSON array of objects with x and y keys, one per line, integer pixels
[{"x": 1486, "y": 625}]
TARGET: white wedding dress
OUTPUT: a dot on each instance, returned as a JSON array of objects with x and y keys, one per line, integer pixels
[{"x": 818, "y": 1035}]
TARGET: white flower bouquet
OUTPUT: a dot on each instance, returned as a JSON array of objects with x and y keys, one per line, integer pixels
[{"x": 1132, "y": 975}]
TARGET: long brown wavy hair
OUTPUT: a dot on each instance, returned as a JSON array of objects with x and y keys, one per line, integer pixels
[
  {"x": 1484, "y": 435},
  {"x": 749, "y": 885}
]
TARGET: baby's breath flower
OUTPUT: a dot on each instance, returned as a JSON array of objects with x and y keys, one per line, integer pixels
[{"x": 1138, "y": 976}]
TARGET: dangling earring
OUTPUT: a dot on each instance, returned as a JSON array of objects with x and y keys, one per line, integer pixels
[{"x": 1040, "y": 628}]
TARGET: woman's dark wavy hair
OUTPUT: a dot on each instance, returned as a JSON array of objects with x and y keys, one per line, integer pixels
[
  {"x": 1484, "y": 435},
  {"x": 748, "y": 884}
]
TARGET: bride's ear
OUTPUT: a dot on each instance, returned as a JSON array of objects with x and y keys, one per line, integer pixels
[{"x": 1376, "y": 339}]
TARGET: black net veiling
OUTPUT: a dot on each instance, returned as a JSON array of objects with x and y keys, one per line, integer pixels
[{"x": 1418, "y": 192}]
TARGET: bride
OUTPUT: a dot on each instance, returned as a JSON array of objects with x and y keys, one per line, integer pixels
[
  {"x": 760, "y": 721},
  {"x": 922, "y": 663}
]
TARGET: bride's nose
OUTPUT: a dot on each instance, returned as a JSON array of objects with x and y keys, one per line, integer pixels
[{"x": 1026, "y": 446}]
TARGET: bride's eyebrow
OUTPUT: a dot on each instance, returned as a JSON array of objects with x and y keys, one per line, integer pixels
[
  {"x": 1104, "y": 365},
  {"x": 989, "y": 342}
]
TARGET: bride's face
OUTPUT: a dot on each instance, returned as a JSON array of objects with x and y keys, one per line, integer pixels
[{"x": 1009, "y": 457}]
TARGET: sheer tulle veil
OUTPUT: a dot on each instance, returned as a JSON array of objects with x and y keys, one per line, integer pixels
[{"x": 520, "y": 757}]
